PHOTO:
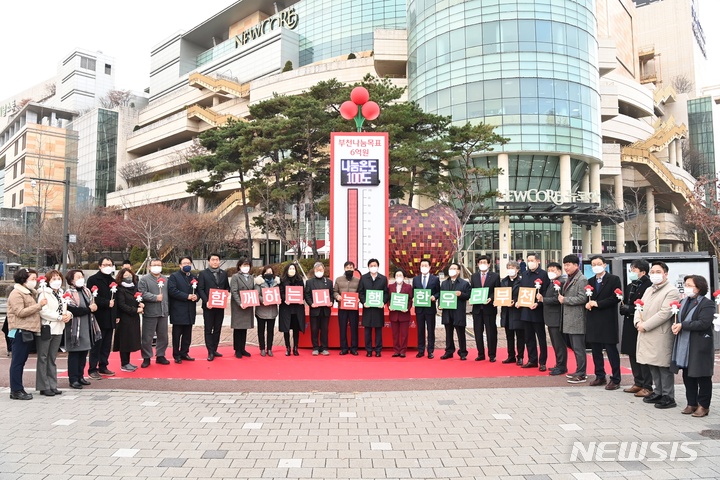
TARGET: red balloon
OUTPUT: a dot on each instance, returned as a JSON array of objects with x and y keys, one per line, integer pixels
[
  {"x": 348, "y": 110},
  {"x": 359, "y": 95},
  {"x": 370, "y": 111}
]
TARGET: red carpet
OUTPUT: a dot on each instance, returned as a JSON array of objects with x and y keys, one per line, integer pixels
[{"x": 332, "y": 367}]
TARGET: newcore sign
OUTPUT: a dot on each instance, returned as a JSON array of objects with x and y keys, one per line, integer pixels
[{"x": 548, "y": 196}]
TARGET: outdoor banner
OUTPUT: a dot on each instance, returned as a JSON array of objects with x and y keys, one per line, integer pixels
[
  {"x": 321, "y": 298},
  {"x": 448, "y": 300},
  {"x": 526, "y": 296},
  {"x": 374, "y": 298},
  {"x": 421, "y": 297},
  {"x": 249, "y": 298},
  {"x": 218, "y": 298},
  {"x": 359, "y": 200},
  {"x": 349, "y": 301},
  {"x": 503, "y": 297},
  {"x": 399, "y": 301},
  {"x": 479, "y": 296},
  {"x": 294, "y": 294},
  {"x": 271, "y": 296}
]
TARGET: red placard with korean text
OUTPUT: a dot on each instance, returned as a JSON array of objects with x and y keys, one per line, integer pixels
[
  {"x": 249, "y": 298},
  {"x": 349, "y": 301},
  {"x": 294, "y": 294},
  {"x": 321, "y": 298},
  {"x": 218, "y": 298},
  {"x": 271, "y": 296}
]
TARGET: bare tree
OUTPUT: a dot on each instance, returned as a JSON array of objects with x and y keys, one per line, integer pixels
[
  {"x": 151, "y": 226},
  {"x": 693, "y": 160},
  {"x": 132, "y": 171},
  {"x": 682, "y": 84},
  {"x": 116, "y": 98},
  {"x": 704, "y": 208}
]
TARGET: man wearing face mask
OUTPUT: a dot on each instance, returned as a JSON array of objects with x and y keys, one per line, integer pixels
[
  {"x": 373, "y": 318},
  {"x": 455, "y": 320},
  {"x": 655, "y": 336},
  {"x": 639, "y": 283},
  {"x": 572, "y": 297},
  {"x": 182, "y": 303},
  {"x": 485, "y": 316},
  {"x": 212, "y": 277},
  {"x": 510, "y": 316},
  {"x": 532, "y": 317},
  {"x": 601, "y": 329},
  {"x": 319, "y": 314},
  {"x": 105, "y": 316},
  {"x": 425, "y": 316},
  {"x": 153, "y": 287},
  {"x": 347, "y": 283},
  {"x": 552, "y": 312}
]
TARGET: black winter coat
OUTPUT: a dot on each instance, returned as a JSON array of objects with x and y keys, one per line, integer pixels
[
  {"x": 601, "y": 322},
  {"x": 633, "y": 291},
  {"x": 510, "y": 316},
  {"x": 456, "y": 317},
  {"x": 127, "y": 331},
  {"x": 373, "y": 317},
  {"x": 105, "y": 315},
  {"x": 315, "y": 283},
  {"x": 182, "y": 310},
  {"x": 287, "y": 311},
  {"x": 701, "y": 361}
]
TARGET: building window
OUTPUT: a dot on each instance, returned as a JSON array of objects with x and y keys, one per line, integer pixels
[
  {"x": 22, "y": 192},
  {"x": 14, "y": 171},
  {"x": 108, "y": 69},
  {"x": 24, "y": 141},
  {"x": 13, "y": 200},
  {"x": 17, "y": 144},
  {"x": 88, "y": 63},
  {"x": 22, "y": 167}
]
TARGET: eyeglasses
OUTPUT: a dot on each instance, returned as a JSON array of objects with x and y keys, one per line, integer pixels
[{"x": 688, "y": 286}]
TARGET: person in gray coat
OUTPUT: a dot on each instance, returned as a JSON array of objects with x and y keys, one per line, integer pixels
[
  {"x": 153, "y": 287},
  {"x": 552, "y": 313},
  {"x": 573, "y": 298},
  {"x": 241, "y": 317},
  {"x": 266, "y": 314}
]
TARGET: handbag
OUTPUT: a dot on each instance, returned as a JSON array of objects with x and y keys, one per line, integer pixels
[
  {"x": 27, "y": 336},
  {"x": 45, "y": 332}
]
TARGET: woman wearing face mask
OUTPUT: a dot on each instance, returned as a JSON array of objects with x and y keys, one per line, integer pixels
[
  {"x": 292, "y": 315},
  {"x": 241, "y": 316},
  {"x": 693, "y": 351},
  {"x": 400, "y": 320},
  {"x": 127, "y": 329},
  {"x": 23, "y": 314},
  {"x": 54, "y": 317},
  {"x": 82, "y": 330},
  {"x": 266, "y": 314}
]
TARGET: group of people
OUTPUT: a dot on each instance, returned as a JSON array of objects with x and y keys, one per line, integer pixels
[{"x": 125, "y": 313}]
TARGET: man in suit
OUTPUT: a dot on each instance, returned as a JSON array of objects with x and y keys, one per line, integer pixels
[
  {"x": 105, "y": 316},
  {"x": 182, "y": 310},
  {"x": 573, "y": 298},
  {"x": 425, "y": 316},
  {"x": 347, "y": 283},
  {"x": 455, "y": 320},
  {"x": 155, "y": 320},
  {"x": 373, "y": 318},
  {"x": 485, "y": 316},
  {"x": 510, "y": 316},
  {"x": 639, "y": 282},
  {"x": 319, "y": 314},
  {"x": 552, "y": 313},
  {"x": 601, "y": 330},
  {"x": 532, "y": 317},
  {"x": 212, "y": 277}
]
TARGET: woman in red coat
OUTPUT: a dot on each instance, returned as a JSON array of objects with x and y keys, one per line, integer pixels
[{"x": 400, "y": 319}]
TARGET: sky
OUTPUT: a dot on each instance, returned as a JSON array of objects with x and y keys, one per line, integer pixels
[{"x": 36, "y": 34}]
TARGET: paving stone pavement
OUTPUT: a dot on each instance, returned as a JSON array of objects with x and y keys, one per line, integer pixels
[{"x": 511, "y": 433}]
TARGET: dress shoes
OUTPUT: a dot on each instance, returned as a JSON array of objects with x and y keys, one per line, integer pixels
[
  {"x": 666, "y": 402},
  {"x": 612, "y": 386},
  {"x": 557, "y": 371},
  {"x": 217, "y": 354},
  {"x": 519, "y": 362},
  {"x": 633, "y": 389},
  {"x": 188, "y": 358},
  {"x": 47, "y": 393},
  {"x": 163, "y": 360},
  {"x": 402, "y": 355},
  {"x": 76, "y": 385},
  {"x": 644, "y": 392},
  {"x": 106, "y": 372},
  {"x": 479, "y": 358},
  {"x": 296, "y": 353},
  {"x": 378, "y": 354},
  {"x": 82, "y": 381},
  {"x": 598, "y": 382},
  {"x": 247, "y": 354},
  {"x": 689, "y": 409},
  {"x": 701, "y": 412},
  {"x": 395, "y": 355},
  {"x": 368, "y": 354},
  {"x": 238, "y": 355},
  {"x": 652, "y": 398},
  {"x": 145, "y": 363},
  {"x": 509, "y": 360},
  {"x": 21, "y": 395},
  {"x": 211, "y": 357},
  {"x": 269, "y": 353},
  {"x": 419, "y": 355},
  {"x": 543, "y": 368},
  {"x": 446, "y": 356},
  {"x": 353, "y": 352},
  {"x": 530, "y": 365},
  {"x": 287, "y": 351},
  {"x": 492, "y": 360},
  {"x": 56, "y": 391},
  {"x": 177, "y": 359},
  {"x": 343, "y": 353},
  {"x": 431, "y": 356},
  {"x": 262, "y": 353}
]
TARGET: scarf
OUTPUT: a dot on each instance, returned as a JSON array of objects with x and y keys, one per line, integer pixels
[{"x": 681, "y": 349}]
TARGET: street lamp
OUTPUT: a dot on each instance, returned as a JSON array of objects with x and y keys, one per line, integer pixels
[{"x": 66, "y": 212}]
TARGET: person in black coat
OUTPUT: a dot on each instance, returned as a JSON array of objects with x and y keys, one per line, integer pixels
[
  {"x": 425, "y": 316},
  {"x": 510, "y": 316},
  {"x": 532, "y": 317},
  {"x": 291, "y": 316},
  {"x": 601, "y": 323},
  {"x": 485, "y": 316},
  {"x": 182, "y": 299},
  {"x": 105, "y": 316},
  {"x": 127, "y": 330},
  {"x": 694, "y": 349},
  {"x": 454, "y": 320},
  {"x": 212, "y": 277},
  {"x": 639, "y": 282},
  {"x": 319, "y": 315},
  {"x": 373, "y": 318},
  {"x": 552, "y": 314}
]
